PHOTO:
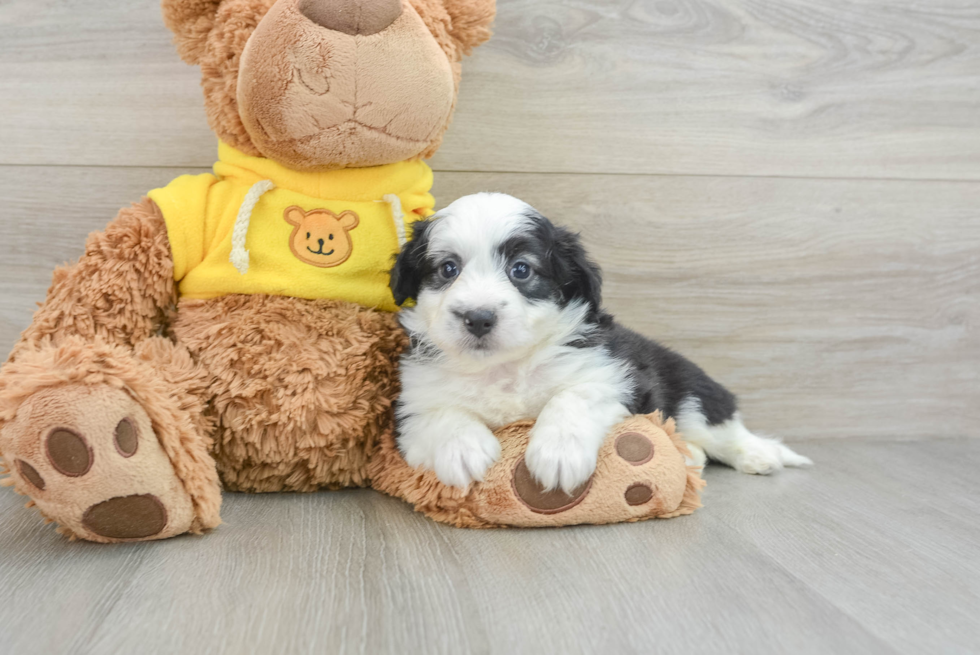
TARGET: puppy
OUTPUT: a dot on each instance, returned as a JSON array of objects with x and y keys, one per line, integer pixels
[{"x": 507, "y": 325}]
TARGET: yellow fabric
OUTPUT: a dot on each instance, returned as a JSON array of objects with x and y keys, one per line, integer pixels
[{"x": 201, "y": 210}]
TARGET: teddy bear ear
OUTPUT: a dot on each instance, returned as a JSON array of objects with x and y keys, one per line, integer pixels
[
  {"x": 294, "y": 215},
  {"x": 349, "y": 220},
  {"x": 471, "y": 21},
  {"x": 190, "y": 21}
]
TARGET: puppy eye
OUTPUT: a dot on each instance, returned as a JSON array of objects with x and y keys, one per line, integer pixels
[
  {"x": 520, "y": 271},
  {"x": 449, "y": 270}
]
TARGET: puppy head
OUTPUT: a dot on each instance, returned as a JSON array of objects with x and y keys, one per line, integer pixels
[{"x": 492, "y": 279}]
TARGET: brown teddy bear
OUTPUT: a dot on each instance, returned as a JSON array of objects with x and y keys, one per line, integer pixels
[{"x": 236, "y": 329}]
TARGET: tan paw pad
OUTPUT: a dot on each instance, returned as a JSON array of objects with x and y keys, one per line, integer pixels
[
  {"x": 30, "y": 474},
  {"x": 127, "y": 517},
  {"x": 634, "y": 448},
  {"x": 541, "y": 501},
  {"x": 88, "y": 457},
  {"x": 69, "y": 453}
]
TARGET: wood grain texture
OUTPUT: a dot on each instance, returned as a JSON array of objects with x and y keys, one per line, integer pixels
[
  {"x": 882, "y": 517},
  {"x": 862, "y": 554},
  {"x": 834, "y": 308},
  {"x": 827, "y": 88}
]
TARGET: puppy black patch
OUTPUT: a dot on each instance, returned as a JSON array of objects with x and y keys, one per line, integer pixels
[
  {"x": 412, "y": 265},
  {"x": 662, "y": 378},
  {"x": 562, "y": 270},
  {"x": 531, "y": 249}
]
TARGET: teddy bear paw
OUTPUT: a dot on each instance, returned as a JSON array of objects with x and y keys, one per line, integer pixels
[
  {"x": 640, "y": 474},
  {"x": 88, "y": 458}
]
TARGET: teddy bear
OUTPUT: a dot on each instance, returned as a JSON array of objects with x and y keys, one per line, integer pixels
[{"x": 235, "y": 330}]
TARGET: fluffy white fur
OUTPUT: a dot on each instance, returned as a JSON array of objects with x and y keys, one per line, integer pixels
[{"x": 455, "y": 393}]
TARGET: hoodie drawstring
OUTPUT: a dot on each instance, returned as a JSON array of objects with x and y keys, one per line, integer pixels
[{"x": 239, "y": 256}]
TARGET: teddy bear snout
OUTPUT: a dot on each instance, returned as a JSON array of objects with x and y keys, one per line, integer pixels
[{"x": 355, "y": 17}]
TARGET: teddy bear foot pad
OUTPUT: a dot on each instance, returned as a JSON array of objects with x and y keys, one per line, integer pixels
[{"x": 88, "y": 458}]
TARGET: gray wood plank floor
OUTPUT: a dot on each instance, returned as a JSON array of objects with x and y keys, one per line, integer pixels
[{"x": 872, "y": 551}]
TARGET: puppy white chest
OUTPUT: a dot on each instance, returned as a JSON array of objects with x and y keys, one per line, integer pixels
[{"x": 509, "y": 393}]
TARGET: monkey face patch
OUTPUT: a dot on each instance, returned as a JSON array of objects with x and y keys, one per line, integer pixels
[{"x": 320, "y": 237}]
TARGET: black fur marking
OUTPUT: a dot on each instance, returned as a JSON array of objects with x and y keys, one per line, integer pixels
[
  {"x": 412, "y": 266},
  {"x": 562, "y": 270},
  {"x": 527, "y": 248},
  {"x": 663, "y": 378}
]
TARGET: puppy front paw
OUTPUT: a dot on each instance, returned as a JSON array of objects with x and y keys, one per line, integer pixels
[
  {"x": 557, "y": 457},
  {"x": 459, "y": 459}
]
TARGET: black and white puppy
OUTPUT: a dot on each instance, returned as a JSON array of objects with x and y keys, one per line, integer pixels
[{"x": 507, "y": 325}]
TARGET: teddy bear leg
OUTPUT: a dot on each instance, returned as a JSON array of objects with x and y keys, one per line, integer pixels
[
  {"x": 641, "y": 473},
  {"x": 105, "y": 445}
]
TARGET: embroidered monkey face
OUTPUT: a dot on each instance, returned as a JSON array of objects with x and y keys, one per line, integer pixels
[{"x": 320, "y": 237}]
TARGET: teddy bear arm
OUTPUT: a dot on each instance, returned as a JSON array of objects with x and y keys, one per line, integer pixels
[{"x": 121, "y": 291}]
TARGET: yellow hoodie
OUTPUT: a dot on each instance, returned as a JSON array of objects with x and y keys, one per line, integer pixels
[{"x": 255, "y": 226}]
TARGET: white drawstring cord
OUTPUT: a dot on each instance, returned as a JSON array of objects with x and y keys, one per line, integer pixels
[
  {"x": 239, "y": 256},
  {"x": 397, "y": 214}
]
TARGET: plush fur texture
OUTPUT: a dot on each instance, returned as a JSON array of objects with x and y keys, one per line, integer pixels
[
  {"x": 121, "y": 290},
  {"x": 350, "y": 104},
  {"x": 301, "y": 389}
]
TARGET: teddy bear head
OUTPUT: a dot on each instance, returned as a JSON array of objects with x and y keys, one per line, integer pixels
[{"x": 326, "y": 84}]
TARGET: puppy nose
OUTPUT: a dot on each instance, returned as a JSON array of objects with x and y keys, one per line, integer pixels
[
  {"x": 479, "y": 321},
  {"x": 352, "y": 16}
]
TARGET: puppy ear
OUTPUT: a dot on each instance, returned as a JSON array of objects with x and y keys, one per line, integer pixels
[
  {"x": 411, "y": 266},
  {"x": 580, "y": 277}
]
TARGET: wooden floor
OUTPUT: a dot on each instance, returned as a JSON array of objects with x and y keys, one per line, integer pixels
[
  {"x": 874, "y": 551},
  {"x": 788, "y": 191}
]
